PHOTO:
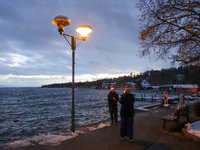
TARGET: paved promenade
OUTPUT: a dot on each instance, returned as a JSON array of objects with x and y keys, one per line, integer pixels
[{"x": 148, "y": 135}]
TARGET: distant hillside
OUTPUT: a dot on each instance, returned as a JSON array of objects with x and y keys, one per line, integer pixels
[{"x": 180, "y": 75}]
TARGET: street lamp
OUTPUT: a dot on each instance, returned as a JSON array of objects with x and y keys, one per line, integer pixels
[{"x": 61, "y": 22}]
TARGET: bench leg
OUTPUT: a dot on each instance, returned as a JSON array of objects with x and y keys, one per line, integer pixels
[
  {"x": 179, "y": 126},
  {"x": 187, "y": 116},
  {"x": 164, "y": 124}
]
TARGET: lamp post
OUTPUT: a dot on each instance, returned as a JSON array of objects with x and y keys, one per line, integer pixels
[{"x": 61, "y": 22}]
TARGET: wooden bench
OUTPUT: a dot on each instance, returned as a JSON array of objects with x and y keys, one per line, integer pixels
[{"x": 175, "y": 117}]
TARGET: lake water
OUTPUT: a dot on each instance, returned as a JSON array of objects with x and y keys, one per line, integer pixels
[{"x": 29, "y": 112}]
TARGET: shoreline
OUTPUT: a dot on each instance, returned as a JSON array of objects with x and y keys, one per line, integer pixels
[
  {"x": 79, "y": 130},
  {"x": 148, "y": 134},
  {"x": 83, "y": 130}
]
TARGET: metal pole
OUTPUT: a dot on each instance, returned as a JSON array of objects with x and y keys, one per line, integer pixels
[{"x": 73, "y": 46}]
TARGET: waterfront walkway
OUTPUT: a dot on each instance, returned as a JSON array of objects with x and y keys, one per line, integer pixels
[{"x": 148, "y": 135}]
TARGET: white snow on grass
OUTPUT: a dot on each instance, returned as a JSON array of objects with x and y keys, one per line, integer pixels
[
  {"x": 148, "y": 107},
  {"x": 194, "y": 128}
]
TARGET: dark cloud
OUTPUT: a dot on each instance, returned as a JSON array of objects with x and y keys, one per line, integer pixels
[{"x": 32, "y": 52}]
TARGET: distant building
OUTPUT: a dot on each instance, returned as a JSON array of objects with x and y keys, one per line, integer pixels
[
  {"x": 185, "y": 88},
  {"x": 107, "y": 85},
  {"x": 180, "y": 77},
  {"x": 145, "y": 84},
  {"x": 181, "y": 88},
  {"x": 168, "y": 88},
  {"x": 131, "y": 84},
  {"x": 155, "y": 87}
]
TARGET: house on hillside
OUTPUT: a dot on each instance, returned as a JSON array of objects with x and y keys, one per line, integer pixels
[
  {"x": 145, "y": 84},
  {"x": 180, "y": 77}
]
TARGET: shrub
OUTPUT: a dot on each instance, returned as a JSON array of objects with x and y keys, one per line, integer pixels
[{"x": 197, "y": 109}]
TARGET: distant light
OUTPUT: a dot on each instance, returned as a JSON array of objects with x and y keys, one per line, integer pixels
[{"x": 84, "y": 30}]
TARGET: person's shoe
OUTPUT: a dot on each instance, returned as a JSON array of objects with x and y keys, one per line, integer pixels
[{"x": 130, "y": 139}]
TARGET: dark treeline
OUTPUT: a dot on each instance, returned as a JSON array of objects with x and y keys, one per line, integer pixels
[{"x": 180, "y": 75}]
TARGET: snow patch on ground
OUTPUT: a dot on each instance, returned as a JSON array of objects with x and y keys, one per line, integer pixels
[
  {"x": 194, "y": 128},
  {"x": 101, "y": 125},
  {"x": 51, "y": 139}
]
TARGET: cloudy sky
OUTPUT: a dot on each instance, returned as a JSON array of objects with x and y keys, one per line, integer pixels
[{"x": 33, "y": 53}]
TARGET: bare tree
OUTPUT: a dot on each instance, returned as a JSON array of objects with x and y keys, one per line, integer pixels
[{"x": 170, "y": 29}]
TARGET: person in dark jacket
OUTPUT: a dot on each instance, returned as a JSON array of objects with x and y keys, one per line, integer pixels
[
  {"x": 127, "y": 113},
  {"x": 112, "y": 103}
]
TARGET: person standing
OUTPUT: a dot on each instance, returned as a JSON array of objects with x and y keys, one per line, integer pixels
[
  {"x": 127, "y": 113},
  {"x": 112, "y": 103}
]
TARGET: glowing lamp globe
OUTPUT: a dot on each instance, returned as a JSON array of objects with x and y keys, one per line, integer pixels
[{"x": 84, "y": 30}]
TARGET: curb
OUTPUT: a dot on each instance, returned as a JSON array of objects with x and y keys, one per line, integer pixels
[{"x": 189, "y": 135}]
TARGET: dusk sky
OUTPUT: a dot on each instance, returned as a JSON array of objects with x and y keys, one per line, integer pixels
[{"x": 33, "y": 53}]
